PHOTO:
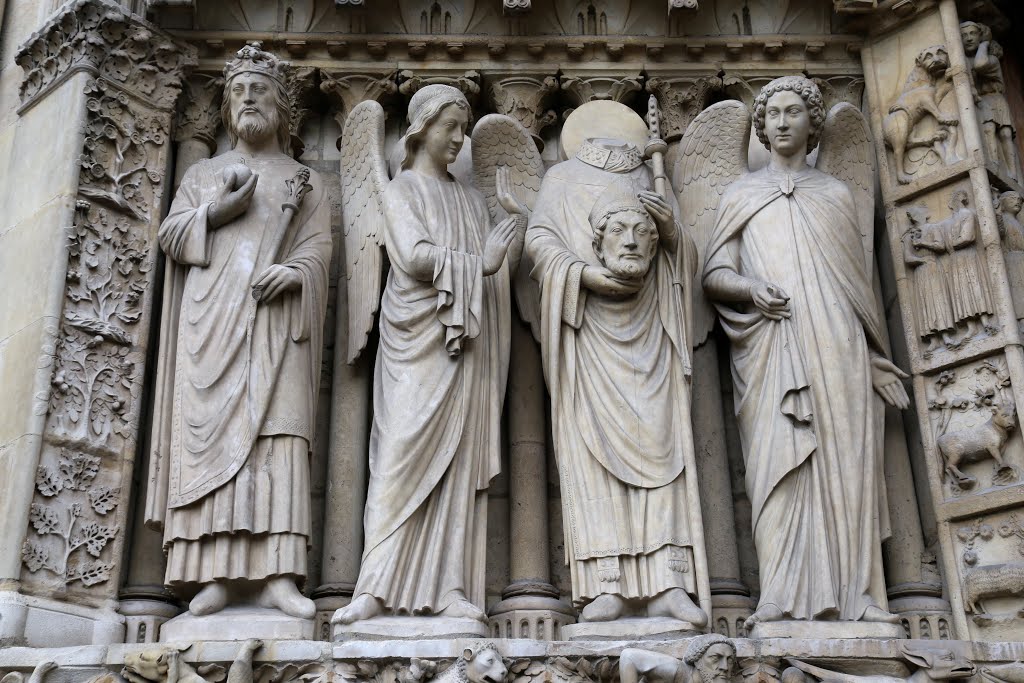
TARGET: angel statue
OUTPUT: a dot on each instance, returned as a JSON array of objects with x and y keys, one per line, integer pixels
[
  {"x": 614, "y": 270},
  {"x": 442, "y": 363},
  {"x": 788, "y": 264},
  {"x": 248, "y": 242}
]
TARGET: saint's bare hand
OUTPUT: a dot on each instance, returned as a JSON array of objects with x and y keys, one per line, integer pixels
[
  {"x": 886, "y": 378},
  {"x": 602, "y": 281},
  {"x": 771, "y": 301},
  {"x": 275, "y": 280}
]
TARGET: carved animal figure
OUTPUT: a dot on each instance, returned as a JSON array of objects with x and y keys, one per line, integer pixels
[
  {"x": 480, "y": 665},
  {"x": 37, "y": 675},
  {"x": 166, "y": 665},
  {"x": 992, "y": 581},
  {"x": 977, "y": 443},
  {"x": 933, "y": 664},
  {"x": 925, "y": 87},
  {"x": 1004, "y": 673}
]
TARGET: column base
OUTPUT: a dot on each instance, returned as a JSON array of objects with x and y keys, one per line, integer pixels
[
  {"x": 923, "y": 613},
  {"x": 530, "y": 609},
  {"x": 43, "y": 622},
  {"x": 329, "y": 598},
  {"x": 728, "y": 613},
  {"x": 146, "y": 609}
]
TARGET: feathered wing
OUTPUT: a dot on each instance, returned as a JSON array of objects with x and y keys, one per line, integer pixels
[
  {"x": 847, "y": 152},
  {"x": 500, "y": 140},
  {"x": 363, "y": 178},
  {"x": 712, "y": 154}
]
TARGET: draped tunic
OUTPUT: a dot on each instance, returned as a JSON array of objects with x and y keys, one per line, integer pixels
[
  {"x": 810, "y": 422},
  {"x": 439, "y": 385}
]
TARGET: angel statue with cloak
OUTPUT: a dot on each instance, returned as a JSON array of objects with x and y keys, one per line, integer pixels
[
  {"x": 248, "y": 245},
  {"x": 442, "y": 361},
  {"x": 788, "y": 264},
  {"x": 614, "y": 269}
]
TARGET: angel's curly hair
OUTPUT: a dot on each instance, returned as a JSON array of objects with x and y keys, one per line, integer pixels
[{"x": 811, "y": 95}]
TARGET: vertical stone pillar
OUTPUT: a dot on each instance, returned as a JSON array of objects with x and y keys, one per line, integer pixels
[
  {"x": 350, "y": 406},
  {"x": 959, "y": 323},
  {"x": 98, "y": 98},
  {"x": 530, "y": 606},
  {"x": 144, "y": 601}
]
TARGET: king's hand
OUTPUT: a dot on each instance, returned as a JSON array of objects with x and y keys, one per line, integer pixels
[{"x": 234, "y": 196}]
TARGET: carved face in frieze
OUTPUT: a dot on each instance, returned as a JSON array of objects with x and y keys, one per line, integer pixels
[
  {"x": 970, "y": 34},
  {"x": 1011, "y": 202},
  {"x": 934, "y": 60},
  {"x": 716, "y": 664},
  {"x": 625, "y": 243}
]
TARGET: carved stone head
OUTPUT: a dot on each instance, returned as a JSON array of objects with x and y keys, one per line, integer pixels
[
  {"x": 712, "y": 657},
  {"x": 1010, "y": 202},
  {"x": 973, "y": 35},
  {"x": 256, "y": 103},
  {"x": 933, "y": 60},
  {"x": 426, "y": 107},
  {"x": 625, "y": 235},
  {"x": 806, "y": 89},
  {"x": 483, "y": 665}
]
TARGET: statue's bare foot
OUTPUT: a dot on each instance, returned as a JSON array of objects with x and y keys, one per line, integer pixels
[
  {"x": 283, "y": 594},
  {"x": 605, "y": 607},
  {"x": 463, "y": 609},
  {"x": 363, "y": 607},
  {"x": 676, "y": 604},
  {"x": 763, "y": 613},
  {"x": 876, "y": 613},
  {"x": 212, "y": 598}
]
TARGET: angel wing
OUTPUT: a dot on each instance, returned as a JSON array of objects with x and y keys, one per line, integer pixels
[
  {"x": 712, "y": 154},
  {"x": 500, "y": 140},
  {"x": 363, "y": 178},
  {"x": 846, "y": 152}
]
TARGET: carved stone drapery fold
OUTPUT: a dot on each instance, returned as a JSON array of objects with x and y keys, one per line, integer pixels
[
  {"x": 101, "y": 37},
  {"x": 75, "y": 541}
]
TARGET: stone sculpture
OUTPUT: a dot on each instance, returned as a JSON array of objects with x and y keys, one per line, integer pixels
[
  {"x": 933, "y": 664},
  {"x": 986, "y": 440},
  {"x": 983, "y": 55},
  {"x": 1008, "y": 207},
  {"x": 614, "y": 268},
  {"x": 248, "y": 237},
  {"x": 926, "y": 86},
  {"x": 441, "y": 367},
  {"x": 787, "y": 264},
  {"x": 968, "y": 282},
  {"x": 924, "y": 247},
  {"x": 37, "y": 675},
  {"x": 476, "y": 665},
  {"x": 708, "y": 658}
]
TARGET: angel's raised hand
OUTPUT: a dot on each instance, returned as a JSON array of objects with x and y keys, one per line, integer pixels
[
  {"x": 497, "y": 245},
  {"x": 506, "y": 197}
]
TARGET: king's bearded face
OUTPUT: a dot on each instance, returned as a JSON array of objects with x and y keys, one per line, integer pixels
[
  {"x": 254, "y": 114},
  {"x": 628, "y": 244}
]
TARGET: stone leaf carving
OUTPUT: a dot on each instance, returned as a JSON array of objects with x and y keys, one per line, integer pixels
[
  {"x": 68, "y": 521},
  {"x": 565, "y": 670},
  {"x": 970, "y": 442},
  {"x": 410, "y": 82},
  {"x": 522, "y": 98},
  {"x": 926, "y": 87},
  {"x": 167, "y": 665},
  {"x": 104, "y": 38},
  {"x": 301, "y": 86},
  {"x": 681, "y": 100},
  {"x": 199, "y": 116},
  {"x": 119, "y": 145},
  {"x": 347, "y": 90},
  {"x": 582, "y": 89}
]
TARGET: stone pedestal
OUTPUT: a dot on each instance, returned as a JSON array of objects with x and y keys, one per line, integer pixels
[
  {"x": 530, "y": 609},
  {"x": 145, "y": 613},
  {"x": 631, "y": 628},
  {"x": 825, "y": 630},
  {"x": 410, "y": 628},
  {"x": 237, "y": 623}
]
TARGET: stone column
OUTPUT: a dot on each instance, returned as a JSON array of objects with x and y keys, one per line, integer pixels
[
  {"x": 99, "y": 92},
  {"x": 967, "y": 379},
  {"x": 144, "y": 601},
  {"x": 350, "y": 405},
  {"x": 530, "y": 606}
]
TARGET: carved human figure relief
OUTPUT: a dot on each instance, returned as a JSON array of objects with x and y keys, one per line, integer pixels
[
  {"x": 966, "y": 270},
  {"x": 786, "y": 262},
  {"x": 1008, "y": 207},
  {"x": 440, "y": 373},
  {"x": 709, "y": 658},
  {"x": 921, "y": 128},
  {"x": 248, "y": 239},
  {"x": 983, "y": 55},
  {"x": 609, "y": 256},
  {"x": 924, "y": 250}
]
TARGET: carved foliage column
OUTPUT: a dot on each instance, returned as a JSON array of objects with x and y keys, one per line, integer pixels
[
  {"x": 959, "y": 322},
  {"x": 75, "y": 542}
]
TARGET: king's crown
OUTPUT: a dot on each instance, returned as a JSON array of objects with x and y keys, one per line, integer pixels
[{"x": 253, "y": 59}]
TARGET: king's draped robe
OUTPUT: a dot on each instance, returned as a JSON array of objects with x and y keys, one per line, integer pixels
[
  {"x": 439, "y": 384},
  {"x": 618, "y": 372},
  {"x": 238, "y": 380},
  {"x": 809, "y": 420}
]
